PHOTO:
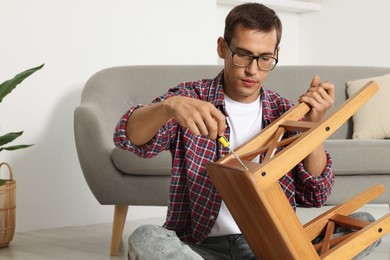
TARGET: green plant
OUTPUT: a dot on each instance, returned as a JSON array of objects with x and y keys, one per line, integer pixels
[{"x": 6, "y": 88}]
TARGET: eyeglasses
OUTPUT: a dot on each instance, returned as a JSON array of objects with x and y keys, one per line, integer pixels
[{"x": 243, "y": 60}]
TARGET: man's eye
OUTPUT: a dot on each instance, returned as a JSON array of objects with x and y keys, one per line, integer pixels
[
  {"x": 265, "y": 58},
  {"x": 243, "y": 55}
]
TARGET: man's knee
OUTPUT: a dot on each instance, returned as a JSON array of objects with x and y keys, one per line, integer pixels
[
  {"x": 156, "y": 242},
  {"x": 146, "y": 240},
  {"x": 146, "y": 233},
  {"x": 361, "y": 215}
]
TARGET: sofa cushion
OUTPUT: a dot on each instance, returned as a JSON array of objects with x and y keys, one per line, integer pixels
[
  {"x": 359, "y": 157},
  {"x": 129, "y": 163},
  {"x": 372, "y": 120}
]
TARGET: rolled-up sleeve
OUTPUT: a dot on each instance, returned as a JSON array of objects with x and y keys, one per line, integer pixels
[
  {"x": 314, "y": 191},
  {"x": 157, "y": 144},
  {"x": 120, "y": 137}
]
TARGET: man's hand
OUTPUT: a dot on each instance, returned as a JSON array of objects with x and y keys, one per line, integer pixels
[
  {"x": 320, "y": 97},
  {"x": 201, "y": 117}
]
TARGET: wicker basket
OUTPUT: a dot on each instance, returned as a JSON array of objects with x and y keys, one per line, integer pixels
[{"x": 7, "y": 209}]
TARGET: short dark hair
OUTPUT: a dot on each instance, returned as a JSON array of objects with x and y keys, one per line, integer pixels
[{"x": 252, "y": 16}]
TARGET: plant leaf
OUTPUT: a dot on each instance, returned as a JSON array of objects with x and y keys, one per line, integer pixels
[
  {"x": 7, "y": 138},
  {"x": 2, "y": 182},
  {"x": 7, "y": 86},
  {"x": 15, "y": 147}
]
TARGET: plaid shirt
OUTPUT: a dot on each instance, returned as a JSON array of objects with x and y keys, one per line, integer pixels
[{"x": 194, "y": 202}]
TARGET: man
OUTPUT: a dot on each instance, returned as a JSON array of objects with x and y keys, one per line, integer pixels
[{"x": 187, "y": 120}]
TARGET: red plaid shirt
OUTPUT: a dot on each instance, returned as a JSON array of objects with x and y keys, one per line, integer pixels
[{"x": 194, "y": 202}]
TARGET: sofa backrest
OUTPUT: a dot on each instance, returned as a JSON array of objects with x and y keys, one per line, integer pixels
[
  {"x": 112, "y": 91},
  {"x": 116, "y": 89},
  {"x": 292, "y": 81}
]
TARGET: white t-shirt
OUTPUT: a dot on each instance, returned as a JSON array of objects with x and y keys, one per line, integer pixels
[{"x": 245, "y": 122}]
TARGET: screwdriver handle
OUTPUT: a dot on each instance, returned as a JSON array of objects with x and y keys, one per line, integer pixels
[{"x": 222, "y": 139}]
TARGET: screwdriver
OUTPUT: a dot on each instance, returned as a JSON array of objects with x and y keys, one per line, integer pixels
[{"x": 222, "y": 139}]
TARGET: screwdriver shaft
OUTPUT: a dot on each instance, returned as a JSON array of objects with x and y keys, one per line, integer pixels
[
  {"x": 238, "y": 158},
  {"x": 222, "y": 139}
]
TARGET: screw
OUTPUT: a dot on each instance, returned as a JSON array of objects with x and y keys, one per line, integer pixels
[{"x": 263, "y": 174}]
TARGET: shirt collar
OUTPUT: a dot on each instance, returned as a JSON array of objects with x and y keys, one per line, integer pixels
[
  {"x": 218, "y": 98},
  {"x": 268, "y": 115},
  {"x": 217, "y": 94}
]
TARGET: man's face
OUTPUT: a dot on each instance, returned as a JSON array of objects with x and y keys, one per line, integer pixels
[{"x": 244, "y": 84}]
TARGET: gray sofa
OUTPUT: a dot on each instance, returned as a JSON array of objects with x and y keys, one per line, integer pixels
[{"x": 120, "y": 178}]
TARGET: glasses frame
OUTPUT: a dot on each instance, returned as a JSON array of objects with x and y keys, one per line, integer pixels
[{"x": 254, "y": 57}]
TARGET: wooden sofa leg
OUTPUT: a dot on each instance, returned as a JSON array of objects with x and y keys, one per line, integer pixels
[{"x": 120, "y": 214}]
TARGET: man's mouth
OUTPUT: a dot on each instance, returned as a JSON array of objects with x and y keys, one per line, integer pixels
[{"x": 249, "y": 82}]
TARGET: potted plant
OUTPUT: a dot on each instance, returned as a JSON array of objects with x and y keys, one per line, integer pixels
[{"x": 8, "y": 187}]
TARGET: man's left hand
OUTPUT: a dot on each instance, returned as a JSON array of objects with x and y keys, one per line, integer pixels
[{"x": 320, "y": 97}]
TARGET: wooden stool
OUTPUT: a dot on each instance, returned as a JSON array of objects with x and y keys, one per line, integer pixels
[{"x": 262, "y": 210}]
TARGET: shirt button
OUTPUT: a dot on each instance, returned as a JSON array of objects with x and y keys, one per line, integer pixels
[{"x": 212, "y": 217}]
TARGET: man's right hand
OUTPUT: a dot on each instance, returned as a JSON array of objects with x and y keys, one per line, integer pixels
[{"x": 201, "y": 117}]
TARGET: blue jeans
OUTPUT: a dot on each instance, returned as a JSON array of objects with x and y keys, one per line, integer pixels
[
  {"x": 339, "y": 231},
  {"x": 151, "y": 242}
]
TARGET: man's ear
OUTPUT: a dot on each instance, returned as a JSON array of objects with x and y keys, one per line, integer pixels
[
  {"x": 221, "y": 47},
  {"x": 277, "y": 52}
]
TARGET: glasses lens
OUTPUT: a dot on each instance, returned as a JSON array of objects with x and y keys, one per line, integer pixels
[
  {"x": 266, "y": 63},
  {"x": 244, "y": 60}
]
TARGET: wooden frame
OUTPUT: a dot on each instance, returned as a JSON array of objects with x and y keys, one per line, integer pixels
[{"x": 260, "y": 207}]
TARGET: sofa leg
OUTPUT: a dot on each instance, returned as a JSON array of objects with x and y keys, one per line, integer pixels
[{"x": 120, "y": 214}]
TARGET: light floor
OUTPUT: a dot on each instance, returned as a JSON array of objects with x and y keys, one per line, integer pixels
[{"x": 93, "y": 241}]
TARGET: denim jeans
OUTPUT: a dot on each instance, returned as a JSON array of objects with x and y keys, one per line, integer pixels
[
  {"x": 151, "y": 242},
  {"x": 339, "y": 231},
  {"x": 231, "y": 247}
]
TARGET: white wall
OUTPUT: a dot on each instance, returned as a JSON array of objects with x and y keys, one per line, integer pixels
[
  {"x": 347, "y": 32},
  {"x": 77, "y": 38}
]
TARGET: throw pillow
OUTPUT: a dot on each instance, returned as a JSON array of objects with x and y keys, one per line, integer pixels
[{"x": 372, "y": 120}]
